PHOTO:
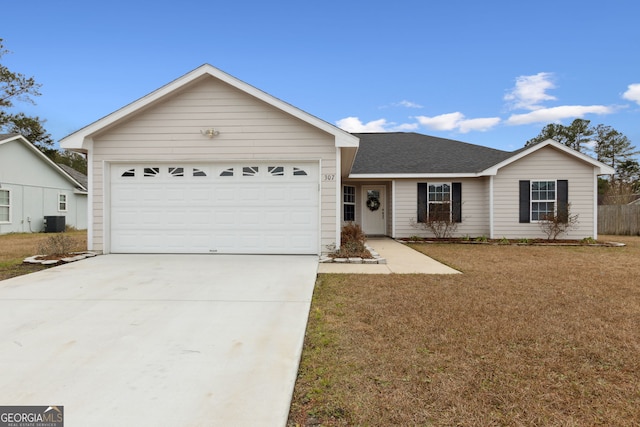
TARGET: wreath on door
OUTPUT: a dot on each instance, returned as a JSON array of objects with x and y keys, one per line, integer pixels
[{"x": 373, "y": 203}]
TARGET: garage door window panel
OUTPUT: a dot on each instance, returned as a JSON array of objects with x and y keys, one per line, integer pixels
[
  {"x": 227, "y": 172},
  {"x": 151, "y": 172},
  {"x": 176, "y": 171},
  {"x": 299, "y": 172},
  {"x": 250, "y": 171},
  {"x": 276, "y": 170}
]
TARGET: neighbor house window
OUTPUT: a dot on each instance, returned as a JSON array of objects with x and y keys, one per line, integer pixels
[
  {"x": 5, "y": 206},
  {"x": 439, "y": 201},
  {"x": 349, "y": 203},
  {"x": 542, "y": 198},
  {"x": 62, "y": 202}
]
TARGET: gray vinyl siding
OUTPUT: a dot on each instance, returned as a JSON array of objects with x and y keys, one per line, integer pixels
[
  {"x": 544, "y": 164},
  {"x": 249, "y": 129},
  {"x": 34, "y": 188},
  {"x": 475, "y": 207}
]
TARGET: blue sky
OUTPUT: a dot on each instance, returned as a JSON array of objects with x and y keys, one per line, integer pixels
[{"x": 490, "y": 73}]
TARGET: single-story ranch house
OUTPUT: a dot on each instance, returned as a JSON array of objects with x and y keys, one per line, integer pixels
[
  {"x": 210, "y": 164},
  {"x": 33, "y": 187}
]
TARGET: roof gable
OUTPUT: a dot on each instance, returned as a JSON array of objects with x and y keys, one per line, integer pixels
[
  {"x": 517, "y": 155},
  {"x": 19, "y": 139},
  {"x": 78, "y": 139}
]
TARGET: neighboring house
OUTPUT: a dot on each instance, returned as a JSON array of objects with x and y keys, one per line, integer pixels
[
  {"x": 210, "y": 164},
  {"x": 33, "y": 187}
]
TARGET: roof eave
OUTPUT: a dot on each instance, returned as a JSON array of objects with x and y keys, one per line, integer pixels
[{"x": 413, "y": 175}]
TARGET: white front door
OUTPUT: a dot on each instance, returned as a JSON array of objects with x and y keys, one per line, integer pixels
[{"x": 373, "y": 210}]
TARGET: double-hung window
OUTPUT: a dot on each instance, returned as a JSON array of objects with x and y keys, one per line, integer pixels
[
  {"x": 62, "y": 202},
  {"x": 5, "y": 206},
  {"x": 543, "y": 200},
  {"x": 439, "y": 202},
  {"x": 349, "y": 203}
]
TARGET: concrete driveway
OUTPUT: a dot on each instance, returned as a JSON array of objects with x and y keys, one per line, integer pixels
[{"x": 162, "y": 340}]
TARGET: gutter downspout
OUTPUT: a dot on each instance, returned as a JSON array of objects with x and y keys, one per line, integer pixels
[
  {"x": 491, "y": 231},
  {"x": 338, "y": 172},
  {"x": 595, "y": 204}
]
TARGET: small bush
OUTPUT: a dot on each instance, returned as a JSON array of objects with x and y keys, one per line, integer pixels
[
  {"x": 352, "y": 242},
  {"x": 558, "y": 223},
  {"x": 57, "y": 245}
]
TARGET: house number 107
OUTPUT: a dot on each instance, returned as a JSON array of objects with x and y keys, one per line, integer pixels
[{"x": 328, "y": 177}]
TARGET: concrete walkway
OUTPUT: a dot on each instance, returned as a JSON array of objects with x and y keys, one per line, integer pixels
[{"x": 400, "y": 260}]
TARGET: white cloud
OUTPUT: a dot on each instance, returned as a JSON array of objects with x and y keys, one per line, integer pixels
[
  {"x": 457, "y": 121},
  {"x": 405, "y": 127},
  {"x": 407, "y": 104},
  {"x": 530, "y": 91},
  {"x": 633, "y": 93},
  {"x": 555, "y": 114},
  {"x": 482, "y": 125},
  {"x": 442, "y": 122},
  {"x": 353, "y": 124}
]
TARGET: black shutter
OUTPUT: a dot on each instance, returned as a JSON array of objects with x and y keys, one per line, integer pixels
[
  {"x": 563, "y": 200},
  {"x": 422, "y": 201},
  {"x": 456, "y": 199},
  {"x": 525, "y": 201}
]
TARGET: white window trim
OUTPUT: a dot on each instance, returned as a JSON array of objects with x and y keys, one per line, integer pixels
[
  {"x": 349, "y": 203},
  {"x": 429, "y": 184},
  {"x": 7, "y": 206},
  {"x": 531, "y": 201},
  {"x": 66, "y": 202}
]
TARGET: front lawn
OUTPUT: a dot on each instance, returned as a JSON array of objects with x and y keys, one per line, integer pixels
[
  {"x": 528, "y": 335},
  {"x": 15, "y": 247}
]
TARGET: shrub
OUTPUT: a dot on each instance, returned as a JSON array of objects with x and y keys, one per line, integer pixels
[
  {"x": 559, "y": 222},
  {"x": 352, "y": 242},
  {"x": 439, "y": 222},
  {"x": 58, "y": 244}
]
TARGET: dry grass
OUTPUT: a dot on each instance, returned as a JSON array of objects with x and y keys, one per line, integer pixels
[
  {"x": 15, "y": 247},
  {"x": 527, "y": 336}
]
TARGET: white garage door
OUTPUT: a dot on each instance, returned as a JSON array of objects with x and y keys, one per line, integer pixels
[{"x": 253, "y": 207}]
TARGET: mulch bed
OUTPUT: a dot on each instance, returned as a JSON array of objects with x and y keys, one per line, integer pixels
[{"x": 520, "y": 242}]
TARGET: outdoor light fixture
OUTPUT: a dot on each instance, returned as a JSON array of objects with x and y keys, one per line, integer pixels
[{"x": 211, "y": 132}]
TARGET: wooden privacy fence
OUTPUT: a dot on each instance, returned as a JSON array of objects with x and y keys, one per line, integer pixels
[{"x": 619, "y": 219}]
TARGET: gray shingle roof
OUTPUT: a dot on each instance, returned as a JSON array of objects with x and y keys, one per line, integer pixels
[
  {"x": 78, "y": 176},
  {"x": 401, "y": 153}
]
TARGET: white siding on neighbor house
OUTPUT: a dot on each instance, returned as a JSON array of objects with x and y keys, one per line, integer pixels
[
  {"x": 35, "y": 187},
  {"x": 249, "y": 129},
  {"x": 475, "y": 206},
  {"x": 547, "y": 163}
]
